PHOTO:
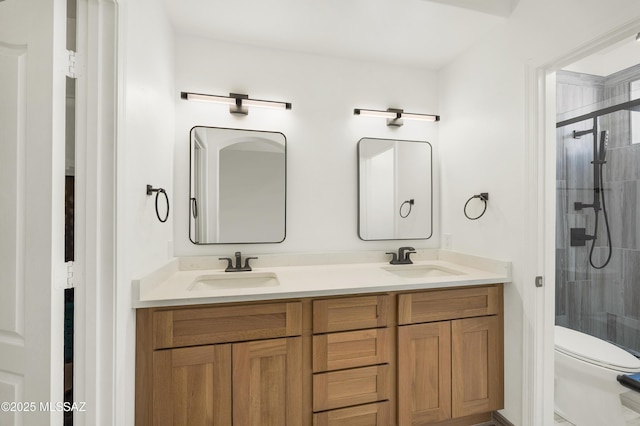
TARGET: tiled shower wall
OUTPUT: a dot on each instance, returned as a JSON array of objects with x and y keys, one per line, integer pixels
[{"x": 606, "y": 302}]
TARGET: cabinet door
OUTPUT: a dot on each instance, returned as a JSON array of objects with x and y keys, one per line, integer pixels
[
  {"x": 424, "y": 373},
  {"x": 362, "y": 415},
  {"x": 191, "y": 386},
  {"x": 477, "y": 365},
  {"x": 267, "y": 382}
]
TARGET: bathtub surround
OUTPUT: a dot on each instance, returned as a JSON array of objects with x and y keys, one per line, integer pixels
[{"x": 599, "y": 302}]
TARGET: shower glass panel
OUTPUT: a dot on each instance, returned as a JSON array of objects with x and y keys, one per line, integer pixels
[
  {"x": 601, "y": 302},
  {"x": 635, "y": 115}
]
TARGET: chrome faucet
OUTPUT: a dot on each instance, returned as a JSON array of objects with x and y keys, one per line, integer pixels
[
  {"x": 402, "y": 257},
  {"x": 238, "y": 267}
]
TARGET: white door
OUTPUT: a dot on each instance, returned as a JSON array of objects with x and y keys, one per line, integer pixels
[{"x": 32, "y": 102}]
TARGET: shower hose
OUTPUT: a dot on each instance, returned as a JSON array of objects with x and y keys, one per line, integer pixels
[{"x": 606, "y": 222}]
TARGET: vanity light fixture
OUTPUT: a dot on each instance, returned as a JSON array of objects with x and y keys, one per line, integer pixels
[
  {"x": 237, "y": 102},
  {"x": 395, "y": 116}
]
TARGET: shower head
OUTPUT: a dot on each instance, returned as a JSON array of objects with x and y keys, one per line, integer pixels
[{"x": 604, "y": 141}]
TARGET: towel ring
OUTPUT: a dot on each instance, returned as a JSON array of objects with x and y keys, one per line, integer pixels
[
  {"x": 484, "y": 196},
  {"x": 410, "y": 203},
  {"x": 158, "y": 191}
]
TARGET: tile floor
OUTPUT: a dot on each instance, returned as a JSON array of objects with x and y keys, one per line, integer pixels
[{"x": 632, "y": 418}]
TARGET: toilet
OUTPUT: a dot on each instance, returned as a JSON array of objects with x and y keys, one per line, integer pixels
[{"x": 586, "y": 390}]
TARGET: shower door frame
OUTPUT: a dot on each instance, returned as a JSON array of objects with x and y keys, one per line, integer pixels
[{"x": 540, "y": 174}]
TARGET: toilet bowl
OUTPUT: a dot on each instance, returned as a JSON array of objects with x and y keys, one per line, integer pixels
[{"x": 586, "y": 390}]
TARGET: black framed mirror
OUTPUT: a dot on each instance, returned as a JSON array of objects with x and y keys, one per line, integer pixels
[
  {"x": 395, "y": 189},
  {"x": 238, "y": 186}
]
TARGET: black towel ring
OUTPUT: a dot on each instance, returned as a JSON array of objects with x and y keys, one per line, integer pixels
[
  {"x": 410, "y": 203},
  {"x": 158, "y": 191},
  {"x": 484, "y": 196}
]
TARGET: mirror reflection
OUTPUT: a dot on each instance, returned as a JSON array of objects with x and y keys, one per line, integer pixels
[
  {"x": 394, "y": 189},
  {"x": 237, "y": 186}
]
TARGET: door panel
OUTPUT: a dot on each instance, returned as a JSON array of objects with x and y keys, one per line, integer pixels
[
  {"x": 13, "y": 62},
  {"x": 32, "y": 102},
  {"x": 191, "y": 386},
  {"x": 424, "y": 368},
  {"x": 267, "y": 382},
  {"x": 477, "y": 367}
]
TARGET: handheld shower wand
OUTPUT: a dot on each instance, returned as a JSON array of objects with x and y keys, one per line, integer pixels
[
  {"x": 604, "y": 142},
  {"x": 578, "y": 235},
  {"x": 599, "y": 195}
]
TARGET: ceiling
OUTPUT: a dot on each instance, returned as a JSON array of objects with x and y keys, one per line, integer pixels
[{"x": 423, "y": 33}]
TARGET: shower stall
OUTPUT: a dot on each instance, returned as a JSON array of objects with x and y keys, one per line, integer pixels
[{"x": 598, "y": 205}]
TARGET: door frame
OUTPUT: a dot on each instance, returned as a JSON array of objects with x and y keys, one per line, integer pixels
[
  {"x": 94, "y": 266},
  {"x": 539, "y": 238}
]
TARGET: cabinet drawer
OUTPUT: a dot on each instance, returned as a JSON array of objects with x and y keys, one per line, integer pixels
[
  {"x": 337, "y": 351},
  {"x": 437, "y": 305},
  {"x": 350, "y": 387},
  {"x": 350, "y": 313},
  {"x": 362, "y": 415},
  {"x": 222, "y": 324}
]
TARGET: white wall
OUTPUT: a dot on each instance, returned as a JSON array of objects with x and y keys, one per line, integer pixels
[
  {"x": 480, "y": 96},
  {"x": 144, "y": 156},
  {"x": 611, "y": 61},
  {"x": 482, "y": 141},
  {"x": 322, "y": 133}
]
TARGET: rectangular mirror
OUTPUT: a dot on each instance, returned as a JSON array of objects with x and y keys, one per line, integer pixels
[
  {"x": 394, "y": 189},
  {"x": 237, "y": 186}
]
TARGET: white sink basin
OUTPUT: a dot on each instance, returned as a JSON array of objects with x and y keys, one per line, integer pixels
[
  {"x": 234, "y": 280},
  {"x": 421, "y": 271}
]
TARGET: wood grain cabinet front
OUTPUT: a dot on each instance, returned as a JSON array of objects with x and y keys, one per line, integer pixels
[
  {"x": 337, "y": 351},
  {"x": 191, "y": 386},
  {"x": 350, "y": 313},
  {"x": 438, "y": 305},
  {"x": 350, "y": 387},
  {"x": 395, "y": 359},
  {"x": 182, "y": 327},
  {"x": 352, "y": 380},
  {"x": 424, "y": 373},
  {"x": 362, "y": 415},
  {"x": 246, "y": 378},
  {"x": 477, "y": 377},
  {"x": 251, "y": 383},
  {"x": 450, "y": 372}
]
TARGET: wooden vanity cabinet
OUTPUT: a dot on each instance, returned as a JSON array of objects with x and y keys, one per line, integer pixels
[
  {"x": 396, "y": 359},
  {"x": 352, "y": 374},
  {"x": 450, "y": 355},
  {"x": 240, "y": 365}
]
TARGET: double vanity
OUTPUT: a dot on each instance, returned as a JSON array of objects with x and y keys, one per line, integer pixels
[
  {"x": 333, "y": 339},
  {"x": 327, "y": 339}
]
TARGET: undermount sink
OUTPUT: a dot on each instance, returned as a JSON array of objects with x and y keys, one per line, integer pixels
[
  {"x": 421, "y": 271},
  {"x": 234, "y": 280}
]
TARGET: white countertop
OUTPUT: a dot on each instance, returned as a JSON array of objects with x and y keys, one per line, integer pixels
[{"x": 173, "y": 285}]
